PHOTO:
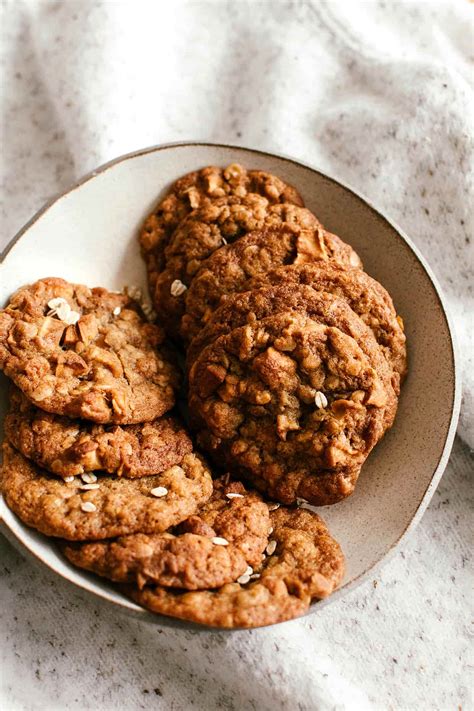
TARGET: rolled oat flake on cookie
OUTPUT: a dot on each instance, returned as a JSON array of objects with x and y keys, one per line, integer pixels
[
  {"x": 118, "y": 507},
  {"x": 99, "y": 367},
  {"x": 257, "y": 404},
  {"x": 308, "y": 564},
  {"x": 186, "y": 557}
]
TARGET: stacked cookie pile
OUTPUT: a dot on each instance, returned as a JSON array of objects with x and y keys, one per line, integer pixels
[
  {"x": 295, "y": 355},
  {"x": 93, "y": 457}
]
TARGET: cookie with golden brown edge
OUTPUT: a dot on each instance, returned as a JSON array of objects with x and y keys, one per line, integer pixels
[
  {"x": 207, "y": 229},
  {"x": 111, "y": 506},
  {"x": 366, "y": 297},
  {"x": 230, "y": 269},
  {"x": 292, "y": 404},
  {"x": 71, "y": 447},
  {"x": 252, "y": 306},
  {"x": 196, "y": 189},
  {"x": 85, "y": 353},
  {"x": 306, "y": 563},
  {"x": 212, "y": 548}
]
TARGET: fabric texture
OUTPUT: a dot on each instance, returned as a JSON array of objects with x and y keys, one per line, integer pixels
[{"x": 378, "y": 94}]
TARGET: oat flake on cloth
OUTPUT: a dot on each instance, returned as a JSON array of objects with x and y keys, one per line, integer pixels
[{"x": 378, "y": 94}]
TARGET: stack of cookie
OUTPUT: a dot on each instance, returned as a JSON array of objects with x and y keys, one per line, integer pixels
[
  {"x": 93, "y": 458},
  {"x": 294, "y": 358},
  {"x": 295, "y": 355}
]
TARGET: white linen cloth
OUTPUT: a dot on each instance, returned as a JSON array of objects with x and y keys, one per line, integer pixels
[{"x": 376, "y": 93}]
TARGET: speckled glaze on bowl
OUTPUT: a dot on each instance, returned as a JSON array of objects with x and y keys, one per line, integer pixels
[{"x": 88, "y": 235}]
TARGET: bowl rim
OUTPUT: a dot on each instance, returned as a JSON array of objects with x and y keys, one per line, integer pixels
[{"x": 438, "y": 471}]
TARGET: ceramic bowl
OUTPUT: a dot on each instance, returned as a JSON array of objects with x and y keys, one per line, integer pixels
[{"x": 88, "y": 235}]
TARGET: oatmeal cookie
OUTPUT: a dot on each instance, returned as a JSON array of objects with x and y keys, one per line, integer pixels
[
  {"x": 292, "y": 404},
  {"x": 85, "y": 353},
  {"x": 214, "y": 547},
  {"x": 197, "y": 189},
  {"x": 71, "y": 447},
  {"x": 112, "y": 506},
  {"x": 305, "y": 563},
  {"x": 366, "y": 297},
  {"x": 235, "y": 514},
  {"x": 207, "y": 229},
  {"x": 230, "y": 269},
  {"x": 252, "y": 306}
]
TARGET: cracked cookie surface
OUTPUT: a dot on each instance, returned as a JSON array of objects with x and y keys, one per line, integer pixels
[
  {"x": 306, "y": 564},
  {"x": 252, "y": 306},
  {"x": 232, "y": 268},
  {"x": 85, "y": 353},
  {"x": 208, "y": 550},
  {"x": 366, "y": 297},
  {"x": 197, "y": 189},
  {"x": 290, "y": 403},
  {"x": 113, "y": 506},
  {"x": 72, "y": 447}
]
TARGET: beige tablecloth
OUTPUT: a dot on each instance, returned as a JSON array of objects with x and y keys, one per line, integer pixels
[{"x": 376, "y": 93}]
